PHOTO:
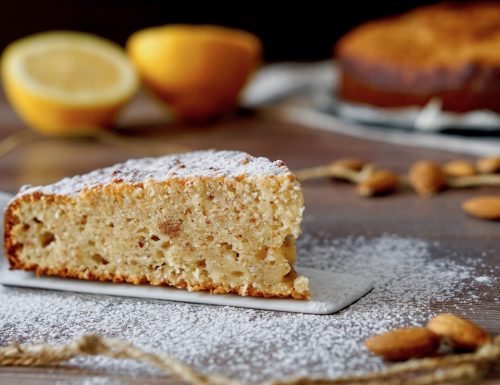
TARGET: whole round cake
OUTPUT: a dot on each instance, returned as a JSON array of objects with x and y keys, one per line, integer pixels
[{"x": 450, "y": 51}]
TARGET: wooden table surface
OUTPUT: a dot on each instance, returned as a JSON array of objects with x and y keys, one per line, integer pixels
[{"x": 336, "y": 207}]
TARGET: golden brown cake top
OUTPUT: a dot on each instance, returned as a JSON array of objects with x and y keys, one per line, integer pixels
[
  {"x": 208, "y": 163},
  {"x": 443, "y": 35}
]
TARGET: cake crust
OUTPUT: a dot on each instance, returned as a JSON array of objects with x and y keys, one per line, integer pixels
[
  {"x": 449, "y": 51},
  {"x": 221, "y": 265}
]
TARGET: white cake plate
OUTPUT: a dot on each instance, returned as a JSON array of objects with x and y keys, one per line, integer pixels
[{"x": 330, "y": 292}]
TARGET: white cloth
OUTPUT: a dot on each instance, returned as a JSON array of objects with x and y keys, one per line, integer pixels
[{"x": 305, "y": 94}]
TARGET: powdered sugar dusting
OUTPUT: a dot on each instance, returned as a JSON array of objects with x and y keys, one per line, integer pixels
[
  {"x": 254, "y": 345},
  {"x": 483, "y": 279},
  {"x": 209, "y": 163}
]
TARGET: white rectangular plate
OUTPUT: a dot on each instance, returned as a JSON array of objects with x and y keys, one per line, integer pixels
[{"x": 330, "y": 292}]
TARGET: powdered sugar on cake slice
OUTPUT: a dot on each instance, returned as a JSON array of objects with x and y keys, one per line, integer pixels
[{"x": 208, "y": 163}]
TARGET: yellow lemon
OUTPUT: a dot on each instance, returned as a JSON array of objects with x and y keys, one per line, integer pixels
[
  {"x": 67, "y": 82},
  {"x": 198, "y": 70}
]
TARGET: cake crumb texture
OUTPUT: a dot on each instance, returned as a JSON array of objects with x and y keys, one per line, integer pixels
[{"x": 219, "y": 221}]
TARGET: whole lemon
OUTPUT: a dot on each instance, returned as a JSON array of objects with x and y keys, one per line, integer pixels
[{"x": 197, "y": 70}]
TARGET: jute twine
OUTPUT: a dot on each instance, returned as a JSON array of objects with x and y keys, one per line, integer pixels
[
  {"x": 137, "y": 145},
  {"x": 459, "y": 367},
  {"x": 333, "y": 170}
]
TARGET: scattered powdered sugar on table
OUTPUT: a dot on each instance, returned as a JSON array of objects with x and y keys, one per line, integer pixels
[
  {"x": 91, "y": 380},
  {"x": 254, "y": 345},
  {"x": 483, "y": 279}
]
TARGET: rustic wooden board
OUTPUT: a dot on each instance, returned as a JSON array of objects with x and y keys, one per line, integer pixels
[{"x": 335, "y": 207}]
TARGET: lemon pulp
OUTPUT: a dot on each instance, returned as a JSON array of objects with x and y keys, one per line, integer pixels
[
  {"x": 71, "y": 70},
  {"x": 67, "y": 82}
]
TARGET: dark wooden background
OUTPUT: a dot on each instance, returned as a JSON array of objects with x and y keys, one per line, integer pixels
[
  {"x": 337, "y": 210},
  {"x": 295, "y": 32}
]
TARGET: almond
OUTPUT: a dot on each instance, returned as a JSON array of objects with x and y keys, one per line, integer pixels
[
  {"x": 458, "y": 168},
  {"x": 379, "y": 183},
  {"x": 426, "y": 178},
  {"x": 353, "y": 164},
  {"x": 462, "y": 333},
  {"x": 488, "y": 165},
  {"x": 484, "y": 207},
  {"x": 403, "y": 344}
]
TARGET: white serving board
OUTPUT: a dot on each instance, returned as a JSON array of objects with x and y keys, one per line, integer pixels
[{"x": 330, "y": 292}]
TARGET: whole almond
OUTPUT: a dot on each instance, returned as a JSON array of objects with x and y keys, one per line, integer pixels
[
  {"x": 484, "y": 207},
  {"x": 462, "y": 333},
  {"x": 353, "y": 164},
  {"x": 458, "y": 168},
  {"x": 426, "y": 178},
  {"x": 403, "y": 344},
  {"x": 488, "y": 165},
  {"x": 379, "y": 183}
]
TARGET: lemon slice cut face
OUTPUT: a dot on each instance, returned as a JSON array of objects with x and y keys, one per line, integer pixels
[{"x": 64, "y": 81}]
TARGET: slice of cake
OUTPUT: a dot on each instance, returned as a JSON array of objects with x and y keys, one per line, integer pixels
[{"x": 221, "y": 221}]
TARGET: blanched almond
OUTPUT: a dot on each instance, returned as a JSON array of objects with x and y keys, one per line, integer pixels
[
  {"x": 458, "y": 168},
  {"x": 463, "y": 334},
  {"x": 484, "y": 207},
  {"x": 403, "y": 344},
  {"x": 379, "y": 183},
  {"x": 426, "y": 178},
  {"x": 488, "y": 165}
]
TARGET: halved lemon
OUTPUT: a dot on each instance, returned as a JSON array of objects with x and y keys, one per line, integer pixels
[
  {"x": 197, "y": 70},
  {"x": 67, "y": 82}
]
